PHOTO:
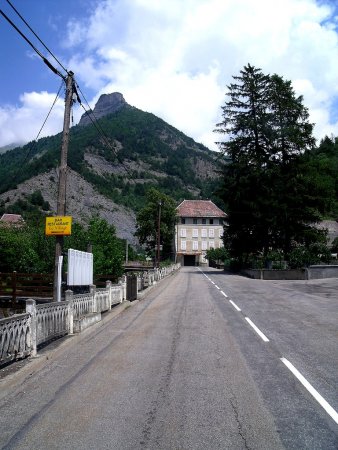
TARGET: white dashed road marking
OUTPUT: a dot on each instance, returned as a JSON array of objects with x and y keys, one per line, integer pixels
[
  {"x": 234, "y": 305},
  {"x": 323, "y": 403},
  {"x": 258, "y": 331}
]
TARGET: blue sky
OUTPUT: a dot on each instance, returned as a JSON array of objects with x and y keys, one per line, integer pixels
[{"x": 170, "y": 57}]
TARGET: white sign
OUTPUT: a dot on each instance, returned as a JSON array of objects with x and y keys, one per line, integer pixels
[{"x": 80, "y": 268}]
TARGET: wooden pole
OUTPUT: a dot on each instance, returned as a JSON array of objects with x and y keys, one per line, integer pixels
[
  {"x": 159, "y": 234},
  {"x": 61, "y": 200}
]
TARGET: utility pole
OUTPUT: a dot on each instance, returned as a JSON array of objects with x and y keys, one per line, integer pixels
[
  {"x": 127, "y": 245},
  {"x": 159, "y": 233},
  {"x": 61, "y": 200}
]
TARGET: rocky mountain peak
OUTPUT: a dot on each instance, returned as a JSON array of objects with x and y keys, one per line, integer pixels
[{"x": 106, "y": 104}]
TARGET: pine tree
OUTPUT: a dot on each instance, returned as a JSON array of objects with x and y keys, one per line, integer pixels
[{"x": 268, "y": 181}]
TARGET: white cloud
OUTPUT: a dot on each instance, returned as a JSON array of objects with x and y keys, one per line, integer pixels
[
  {"x": 175, "y": 58},
  {"x": 20, "y": 124}
]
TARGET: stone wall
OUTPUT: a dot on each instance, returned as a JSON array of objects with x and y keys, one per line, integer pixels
[{"x": 310, "y": 273}]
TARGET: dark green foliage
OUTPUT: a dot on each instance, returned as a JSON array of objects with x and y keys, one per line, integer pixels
[
  {"x": 217, "y": 254},
  {"x": 271, "y": 187},
  {"x": 32, "y": 208},
  {"x": 134, "y": 137},
  {"x": 27, "y": 249},
  {"x": 335, "y": 245},
  {"x": 147, "y": 222},
  {"x": 324, "y": 161},
  {"x": 108, "y": 250},
  {"x": 305, "y": 255}
]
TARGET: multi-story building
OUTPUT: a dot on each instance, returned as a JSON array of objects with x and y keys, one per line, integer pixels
[{"x": 199, "y": 227}]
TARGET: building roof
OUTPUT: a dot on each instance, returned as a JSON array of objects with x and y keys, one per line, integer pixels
[
  {"x": 199, "y": 208},
  {"x": 12, "y": 218}
]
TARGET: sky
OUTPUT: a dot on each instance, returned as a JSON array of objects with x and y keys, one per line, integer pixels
[{"x": 173, "y": 58}]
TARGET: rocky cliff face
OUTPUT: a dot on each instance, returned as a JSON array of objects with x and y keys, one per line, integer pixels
[
  {"x": 107, "y": 104},
  {"x": 83, "y": 201}
]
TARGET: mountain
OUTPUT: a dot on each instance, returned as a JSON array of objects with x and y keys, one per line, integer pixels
[
  {"x": 107, "y": 104},
  {"x": 8, "y": 147},
  {"x": 111, "y": 165}
]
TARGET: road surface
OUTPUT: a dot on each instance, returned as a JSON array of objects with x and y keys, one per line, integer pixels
[{"x": 205, "y": 361}]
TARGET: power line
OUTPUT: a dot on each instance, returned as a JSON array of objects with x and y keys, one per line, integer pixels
[
  {"x": 45, "y": 60},
  {"x": 54, "y": 70},
  {"x": 33, "y": 144},
  {"x": 25, "y": 22},
  {"x": 98, "y": 127}
]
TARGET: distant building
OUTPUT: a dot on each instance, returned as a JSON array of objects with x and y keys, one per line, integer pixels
[
  {"x": 13, "y": 220},
  {"x": 199, "y": 228}
]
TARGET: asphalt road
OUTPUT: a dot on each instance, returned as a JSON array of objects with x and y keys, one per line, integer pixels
[{"x": 205, "y": 361}]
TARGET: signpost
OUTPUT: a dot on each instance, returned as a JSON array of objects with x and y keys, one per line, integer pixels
[{"x": 58, "y": 226}]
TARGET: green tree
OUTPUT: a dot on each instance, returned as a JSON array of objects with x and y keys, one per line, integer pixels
[
  {"x": 16, "y": 253},
  {"x": 147, "y": 222},
  {"x": 108, "y": 250},
  {"x": 217, "y": 254},
  {"x": 269, "y": 186}
]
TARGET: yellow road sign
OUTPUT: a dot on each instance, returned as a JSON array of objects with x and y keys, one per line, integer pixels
[{"x": 59, "y": 226}]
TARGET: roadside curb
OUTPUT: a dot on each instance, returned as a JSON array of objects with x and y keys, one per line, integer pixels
[{"x": 25, "y": 368}]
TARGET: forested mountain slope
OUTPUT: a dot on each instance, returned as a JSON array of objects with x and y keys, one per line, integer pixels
[{"x": 113, "y": 169}]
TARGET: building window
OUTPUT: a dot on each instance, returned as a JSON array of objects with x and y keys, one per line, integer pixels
[
  {"x": 211, "y": 244},
  {"x": 183, "y": 220},
  {"x": 211, "y": 221},
  {"x": 204, "y": 245},
  {"x": 195, "y": 245},
  {"x": 204, "y": 232},
  {"x": 204, "y": 221},
  {"x": 183, "y": 232},
  {"x": 211, "y": 232},
  {"x": 195, "y": 232},
  {"x": 194, "y": 221},
  {"x": 221, "y": 244},
  {"x": 221, "y": 233},
  {"x": 183, "y": 245}
]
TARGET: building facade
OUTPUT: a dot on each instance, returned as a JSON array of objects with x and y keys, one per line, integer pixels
[{"x": 199, "y": 228}]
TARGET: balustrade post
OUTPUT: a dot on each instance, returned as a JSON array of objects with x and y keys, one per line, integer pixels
[
  {"x": 69, "y": 297},
  {"x": 92, "y": 289},
  {"x": 31, "y": 310},
  {"x": 109, "y": 288},
  {"x": 120, "y": 284},
  {"x": 124, "y": 285}
]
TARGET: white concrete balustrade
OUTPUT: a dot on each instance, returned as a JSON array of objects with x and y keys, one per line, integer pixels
[
  {"x": 15, "y": 337},
  {"x": 20, "y": 335}
]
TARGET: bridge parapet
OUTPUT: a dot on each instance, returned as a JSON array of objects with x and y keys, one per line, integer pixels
[{"x": 20, "y": 335}]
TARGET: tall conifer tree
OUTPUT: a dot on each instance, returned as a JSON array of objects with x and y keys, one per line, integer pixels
[{"x": 266, "y": 185}]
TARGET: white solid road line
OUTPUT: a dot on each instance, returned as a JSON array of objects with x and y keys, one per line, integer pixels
[
  {"x": 328, "y": 408},
  {"x": 234, "y": 305},
  {"x": 223, "y": 293},
  {"x": 258, "y": 331}
]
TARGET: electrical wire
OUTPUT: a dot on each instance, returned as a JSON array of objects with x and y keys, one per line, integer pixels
[
  {"x": 106, "y": 140},
  {"x": 33, "y": 144},
  {"x": 44, "y": 59},
  {"x": 100, "y": 130},
  {"x": 30, "y": 28},
  {"x": 89, "y": 113}
]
